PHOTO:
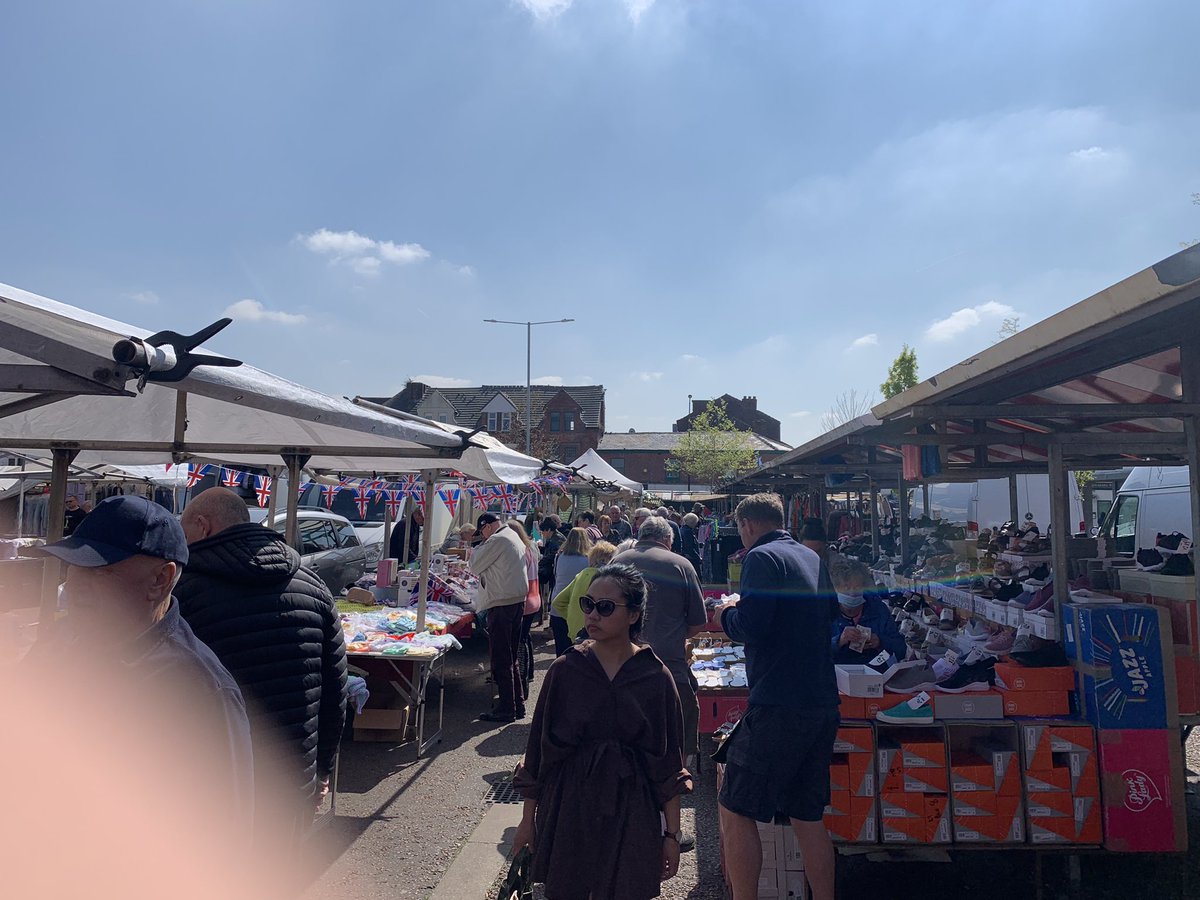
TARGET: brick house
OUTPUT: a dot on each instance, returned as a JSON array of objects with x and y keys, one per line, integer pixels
[
  {"x": 744, "y": 413},
  {"x": 642, "y": 456},
  {"x": 569, "y": 418}
]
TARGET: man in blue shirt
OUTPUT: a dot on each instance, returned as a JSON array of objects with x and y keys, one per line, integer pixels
[{"x": 777, "y": 759}]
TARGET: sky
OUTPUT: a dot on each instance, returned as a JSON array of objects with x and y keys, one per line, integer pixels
[{"x": 755, "y": 198}]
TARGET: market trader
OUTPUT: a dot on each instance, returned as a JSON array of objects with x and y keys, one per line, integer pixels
[
  {"x": 504, "y": 581},
  {"x": 272, "y": 623},
  {"x": 859, "y": 607},
  {"x": 123, "y": 562},
  {"x": 777, "y": 759}
]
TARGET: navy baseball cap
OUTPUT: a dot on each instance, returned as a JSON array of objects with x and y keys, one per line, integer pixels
[
  {"x": 486, "y": 518},
  {"x": 121, "y": 527}
]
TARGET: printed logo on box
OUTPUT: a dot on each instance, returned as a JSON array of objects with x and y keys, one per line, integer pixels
[
  {"x": 1140, "y": 790},
  {"x": 1131, "y": 670}
]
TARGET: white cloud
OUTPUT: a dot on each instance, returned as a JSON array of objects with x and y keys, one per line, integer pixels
[
  {"x": 692, "y": 358},
  {"x": 1090, "y": 153},
  {"x": 637, "y": 9},
  {"x": 147, "y": 297},
  {"x": 800, "y": 415},
  {"x": 362, "y": 254},
  {"x": 546, "y": 9},
  {"x": 442, "y": 381},
  {"x": 963, "y": 320},
  {"x": 549, "y": 380},
  {"x": 648, "y": 376},
  {"x": 867, "y": 340},
  {"x": 249, "y": 310}
]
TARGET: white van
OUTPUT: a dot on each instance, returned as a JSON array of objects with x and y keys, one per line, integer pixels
[
  {"x": 984, "y": 504},
  {"x": 1153, "y": 500}
]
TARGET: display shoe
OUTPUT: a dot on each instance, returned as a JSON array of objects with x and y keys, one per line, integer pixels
[
  {"x": 914, "y": 603},
  {"x": 976, "y": 676},
  {"x": 1000, "y": 643},
  {"x": 929, "y": 618},
  {"x": 911, "y": 680},
  {"x": 1042, "y": 599},
  {"x": 977, "y": 632},
  {"x": 917, "y": 711},
  {"x": 948, "y": 621},
  {"x": 1038, "y": 654},
  {"x": 942, "y": 670}
]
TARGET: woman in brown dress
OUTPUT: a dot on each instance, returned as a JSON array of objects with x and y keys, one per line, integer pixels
[{"x": 604, "y": 765}]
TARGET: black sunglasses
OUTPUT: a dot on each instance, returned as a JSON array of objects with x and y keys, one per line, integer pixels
[{"x": 604, "y": 607}]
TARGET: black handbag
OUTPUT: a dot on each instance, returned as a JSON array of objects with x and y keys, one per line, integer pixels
[{"x": 519, "y": 883}]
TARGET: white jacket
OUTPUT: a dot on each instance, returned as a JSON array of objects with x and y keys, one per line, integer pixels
[{"x": 500, "y": 564}]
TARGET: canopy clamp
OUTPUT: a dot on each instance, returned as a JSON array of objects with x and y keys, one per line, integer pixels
[{"x": 167, "y": 355}]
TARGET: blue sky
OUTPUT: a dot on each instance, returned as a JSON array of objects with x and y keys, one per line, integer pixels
[{"x": 759, "y": 198}]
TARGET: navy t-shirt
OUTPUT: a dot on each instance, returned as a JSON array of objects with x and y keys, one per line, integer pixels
[{"x": 784, "y": 619}]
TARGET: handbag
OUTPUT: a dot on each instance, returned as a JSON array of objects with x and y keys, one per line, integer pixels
[{"x": 519, "y": 883}]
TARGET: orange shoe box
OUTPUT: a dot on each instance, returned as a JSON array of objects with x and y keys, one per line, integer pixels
[
  {"x": 851, "y": 707},
  {"x": 1040, "y": 739},
  {"x": 937, "y": 819},
  {"x": 1085, "y": 774},
  {"x": 891, "y": 769},
  {"x": 901, "y": 805},
  {"x": 839, "y": 804},
  {"x": 854, "y": 738},
  {"x": 1057, "y": 779},
  {"x": 970, "y": 772},
  {"x": 1051, "y": 805},
  {"x": 918, "y": 753},
  {"x": 1082, "y": 828},
  {"x": 903, "y": 830},
  {"x": 859, "y": 827},
  {"x": 873, "y": 705},
  {"x": 1037, "y": 703},
  {"x": 862, "y": 774},
  {"x": 839, "y": 773},
  {"x": 976, "y": 804},
  {"x": 1004, "y": 824},
  {"x": 1018, "y": 678},
  {"x": 923, "y": 780}
]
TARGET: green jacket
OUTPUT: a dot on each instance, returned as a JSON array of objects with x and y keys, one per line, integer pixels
[{"x": 566, "y": 601}]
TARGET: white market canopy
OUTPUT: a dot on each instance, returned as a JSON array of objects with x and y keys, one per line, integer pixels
[
  {"x": 61, "y": 388},
  {"x": 592, "y": 465}
]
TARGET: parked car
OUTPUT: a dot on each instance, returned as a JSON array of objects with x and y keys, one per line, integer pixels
[
  {"x": 1153, "y": 499},
  {"x": 369, "y": 529},
  {"x": 329, "y": 545}
]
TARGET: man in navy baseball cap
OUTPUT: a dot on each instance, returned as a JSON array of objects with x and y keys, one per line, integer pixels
[{"x": 123, "y": 562}]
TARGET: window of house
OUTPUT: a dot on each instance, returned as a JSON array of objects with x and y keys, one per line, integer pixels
[
  {"x": 499, "y": 422},
  {"x": 672, "y": 475},
  {"x": 570, "y": 451},
  {"x": 570, "y": 418},
  {"x": 618, "y": 463},
  {"x": 555, "y": 421}
]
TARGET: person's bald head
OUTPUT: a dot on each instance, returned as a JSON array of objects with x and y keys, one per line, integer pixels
[{"x": 211, "y": 512}]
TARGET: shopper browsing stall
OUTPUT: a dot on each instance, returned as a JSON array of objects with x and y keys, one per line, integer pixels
[
  {"x": 864, "y": 625},
  {"x": 500, "y": 564},
  {"x": 778, "y": 757},
  {"x": 570, "y": 561},
  {"x": 603, "y": 761}
]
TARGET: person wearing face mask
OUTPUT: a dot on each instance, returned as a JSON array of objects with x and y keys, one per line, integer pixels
[{"x": 859, "y": 609}]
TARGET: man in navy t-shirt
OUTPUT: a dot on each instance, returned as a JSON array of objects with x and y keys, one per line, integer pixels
[{"x": 777, "y": 760}]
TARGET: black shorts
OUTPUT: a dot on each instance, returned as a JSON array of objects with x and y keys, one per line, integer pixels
[{"x": 777, "y": 764}]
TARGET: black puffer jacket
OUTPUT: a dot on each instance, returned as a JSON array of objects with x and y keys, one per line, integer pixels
[{"x": 273, "y": 625}]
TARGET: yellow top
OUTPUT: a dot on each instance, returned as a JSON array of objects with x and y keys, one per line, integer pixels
[{"x": 566, "y": 601}]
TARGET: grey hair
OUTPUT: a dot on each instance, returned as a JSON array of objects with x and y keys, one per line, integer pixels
[
  {"x": 642, "y": 512},
  {"x": 656, "y": 529}
]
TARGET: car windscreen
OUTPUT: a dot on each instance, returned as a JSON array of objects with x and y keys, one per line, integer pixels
[{"x": 344, "y": 504}]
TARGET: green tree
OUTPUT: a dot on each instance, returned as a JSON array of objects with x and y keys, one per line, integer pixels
[
  {"x": 713, "y": 449},
  {"x": 902, "y": 375}
]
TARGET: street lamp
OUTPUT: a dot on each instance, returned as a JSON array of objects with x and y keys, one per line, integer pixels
[{"x": 528, "y": 370}]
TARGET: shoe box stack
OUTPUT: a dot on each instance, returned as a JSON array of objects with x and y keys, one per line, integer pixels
[
  {"x": 1121, "y": 654},
  {"x": 1176, "y": 594},
  {"x": 1062, "y": 786},
  {"x": 1028, "y": 691},
  {"x": 986, "y": 804},
  {"x": 782, "y": 874},
  {"x": 850, "y": 816},
  {"x": 914, "y": 784}
]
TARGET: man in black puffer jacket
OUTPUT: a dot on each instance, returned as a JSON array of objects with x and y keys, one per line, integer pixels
[{"x": 273, "y": 625}]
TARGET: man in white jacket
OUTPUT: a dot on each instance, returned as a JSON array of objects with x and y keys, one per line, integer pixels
[{"x": 500, "y": 564}]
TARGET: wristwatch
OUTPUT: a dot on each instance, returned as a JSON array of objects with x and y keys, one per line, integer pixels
[{"x": 676, "y": 836}]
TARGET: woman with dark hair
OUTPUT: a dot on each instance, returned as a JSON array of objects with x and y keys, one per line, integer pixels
[
  {"x": 604, "y": 765},
  {"x": 570, "y": 561}
]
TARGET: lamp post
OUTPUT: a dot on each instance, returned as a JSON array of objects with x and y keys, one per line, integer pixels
[{"x": 528, "y": 370}]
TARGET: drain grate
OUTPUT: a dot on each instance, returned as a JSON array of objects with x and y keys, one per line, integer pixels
[{"x": 503, "y": 792}]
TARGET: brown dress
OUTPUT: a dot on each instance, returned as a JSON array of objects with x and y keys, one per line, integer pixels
[{"x": 603, "y": 759}]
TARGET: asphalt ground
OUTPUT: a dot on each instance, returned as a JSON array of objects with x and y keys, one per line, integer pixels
[{"x": 402, "y": 821}]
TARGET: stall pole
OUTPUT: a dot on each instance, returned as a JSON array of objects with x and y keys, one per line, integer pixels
[
  {"x": 1060, "y": 533},
  {"x": 387, "y": 528},
  {"x": 428, "y": 477},
  {"x": 925, "y": 499},
  {"x": 1189, "y": 359},
  {"x": 21, "y": 510},
  {"x": 408, "y": 524},
  {"x": 903, "y": 523},
  {"x": 55, "y": 522},
  {"x": 273, "y": 500},
  {"x": 295, "y": 462},
  {"x": 874, "y": 521},
  {"x": 1013, "y": 511}
]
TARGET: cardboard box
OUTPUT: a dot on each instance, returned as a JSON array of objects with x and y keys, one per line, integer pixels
[
  {"x": 900, "y": 805},
  {"x": 719, "y": 707},
  {"x": 1123, "y": 651},
  {"x": 971, "y": 705},
  {"x": 923, "y": 752},
  {"x": 1012, "y": 676},
  {"x": 863, "y": 681},
  {"x": 887, "y": 701},
  {"x": 937, "y": 818},
  {"x": 854, "y": 739},
  {"x": 1039, "y": 740},
  {"x": 970, "y": 772},
  {"x": 788, "y": 848},
  {"x": 1082, "y": 828},
  {"x": 839, "y": 773},
  {"x": 1003, "y": 823},
  {"x": 851, "y": 707},
  {"x": 1143, "y": 782},
  {"x": 859, "y": 827},
  {"x": 1187, "y": 680},
  {"x": 839, "y": 804},
  {"x": 1051, "y": 805},
  {"x": 1037, "y": 703},
  {"x": 862, "y": 774},
  {"x": 891, "y": 769},
  {"x": 793, "y": 886},
  {"x": 1085, "y": 774},
  {"x": 926, "y": 780},
  {"x": 383, "y": 725},
  {"x": 1056, "y": 779}
]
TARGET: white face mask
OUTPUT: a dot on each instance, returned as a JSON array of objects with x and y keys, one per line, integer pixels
[{"x": 851, "y": 601}]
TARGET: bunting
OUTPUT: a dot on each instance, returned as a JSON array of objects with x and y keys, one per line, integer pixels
[
  {"x": 328, "y": 492},
  {"x": 450, "y": 497},
  {"x": 195, "y": 473},
  {"x": 262, "y": 489},
  {"x": 362, "y": 498},
  {"x": 230, "y": 478},
  {"x": 394, "y": 501}
]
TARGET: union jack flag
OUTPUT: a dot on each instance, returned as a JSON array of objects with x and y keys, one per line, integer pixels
[
  {"x": 231, "y": 478},
  {"x": 537, "y": 487},
  {"x": 362, "y": 497},
  {"x": 395, "y": 503},
  {"x": 262, "y": 489},
  {"x": 419, "y": 496},
  {"x": 450, "y": 496},
  {"x": 478, "y": 496},
  {"x": 328, "y": 492},
  {"x": 195, "y": 473},
  {"x": 510, "y": 503}
]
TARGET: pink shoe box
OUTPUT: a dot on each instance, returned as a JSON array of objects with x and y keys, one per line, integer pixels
[{"x": 1142, "y": 775}]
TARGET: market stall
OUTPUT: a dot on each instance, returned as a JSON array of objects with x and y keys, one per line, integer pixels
[{"x": 1074, "y": 669}]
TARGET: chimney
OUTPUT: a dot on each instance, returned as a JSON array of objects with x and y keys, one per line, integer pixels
[{"x": 751, "y": 402}]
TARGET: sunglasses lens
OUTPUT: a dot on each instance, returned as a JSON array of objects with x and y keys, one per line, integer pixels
[{"x": 603, "y": 607}]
